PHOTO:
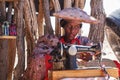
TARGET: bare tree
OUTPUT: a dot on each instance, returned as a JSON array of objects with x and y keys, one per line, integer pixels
[{"x": 97, "y": 30}]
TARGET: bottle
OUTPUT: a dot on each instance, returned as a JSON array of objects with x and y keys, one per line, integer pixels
[
  {"x": 5, "y": 28},
  {"x": 12, "y": 29}
]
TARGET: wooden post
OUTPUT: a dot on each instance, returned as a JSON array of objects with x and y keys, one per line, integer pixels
[
  {"x": 48, "y": 26},
  {"x": 3, "y": 59},
  {"x": 77, "y": 3},
  {"x": 57, "y": 20},
  {"x": 3, "y": 47},
  {"x": 40, "y": 19},
  {"x": 2, "y": 8},
  {"x": 96, "y": 33},
  {"x": 9, "y": 13},
  {"x": 19, "y": 69},
  {"x": 31, "y": 25},
  {"x": 11, "y": 56},
  {"x": 67, "y": 3},
  {"x": 82, "y": 3}
]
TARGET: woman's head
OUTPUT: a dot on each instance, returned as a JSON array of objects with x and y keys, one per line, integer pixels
[
  {"x": 64, "y": 22},
  {"x": 71, "y": 28}
]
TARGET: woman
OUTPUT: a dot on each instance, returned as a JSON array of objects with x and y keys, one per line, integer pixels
[{"x": 71, "y": 29}]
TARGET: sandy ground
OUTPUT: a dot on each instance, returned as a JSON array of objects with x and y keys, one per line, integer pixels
[{"x": 108, "y": 53}]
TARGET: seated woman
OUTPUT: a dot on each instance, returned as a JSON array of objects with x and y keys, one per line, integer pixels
[{"x": 71, "y": 29}]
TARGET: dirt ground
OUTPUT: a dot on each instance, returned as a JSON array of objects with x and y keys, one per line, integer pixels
[{"x": 107, "y": 51}]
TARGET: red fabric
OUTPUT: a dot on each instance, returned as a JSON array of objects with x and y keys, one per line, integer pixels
[
  {"x": 48, "y": 65},
  {"x": 76, "y": 40},
  {"x": 118, "y": 66}
]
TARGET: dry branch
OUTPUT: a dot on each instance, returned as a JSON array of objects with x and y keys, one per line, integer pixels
[
  {"x": 40, "y": 19},
  {"x": 48, "y": 26}
]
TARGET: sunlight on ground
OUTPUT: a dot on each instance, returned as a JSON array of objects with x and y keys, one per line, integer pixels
[{"x": 109, "y": 54}]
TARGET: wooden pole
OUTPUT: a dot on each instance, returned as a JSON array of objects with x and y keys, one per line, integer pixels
[
  {"x": 3, "y": 47},
  {"x": 9, "y": 13},
  {"x": 81, "y": 4},
  {"x": 2, "y": 8},
  {"x": 67, "y": 3},
  {"x": 96, "y": 33},
  {"x": 19, "y": 69},
  {"x": 3, "y": 59},
  {"x": 40, "y": 19},
  {"x": 11, "y": 57},
  {"x": 48, "y": 26},
  {"x": 57, "y": 20}
]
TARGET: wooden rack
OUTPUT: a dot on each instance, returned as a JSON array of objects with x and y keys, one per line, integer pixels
[
  {"x": 7, "y": 37},
  {"x": 7, "y": 0}
]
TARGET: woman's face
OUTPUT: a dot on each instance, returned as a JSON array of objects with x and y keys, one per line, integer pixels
[{"x": 71, "y": 30}]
